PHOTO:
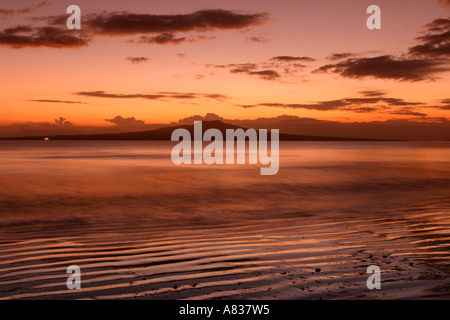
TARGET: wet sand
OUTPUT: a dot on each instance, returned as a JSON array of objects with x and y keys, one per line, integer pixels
[{"x": 270, "y": 260}]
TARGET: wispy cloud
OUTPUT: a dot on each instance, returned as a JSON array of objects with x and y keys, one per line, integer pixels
[
  {"x": 372, "y": 101},
  {"x": 258, "y": 39},
  {"x": 292, "y": 59},
  {"x": 58, "y": 101},
  {"x": 23, "y": 10},
  {"x": 277, "y": 68},
  {"x": 163, "y": 38},
  {"x": 52, "y": 37},
  {"x": 137, "y": 60},
  {"x": 153, "y": 96}
]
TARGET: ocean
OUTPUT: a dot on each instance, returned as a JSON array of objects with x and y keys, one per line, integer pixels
[{"x": 123, "y": 212}]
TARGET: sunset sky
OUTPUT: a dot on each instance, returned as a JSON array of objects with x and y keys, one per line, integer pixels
[{"x": 137, "y": 62}]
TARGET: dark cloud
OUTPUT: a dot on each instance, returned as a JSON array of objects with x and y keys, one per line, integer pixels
[
  {"x": 207, "y": 117},
  {"x": 340, "y": 56},
  {"x": 153, "y": 96},
  {"x": 320, "y": 106},
  {"x": 18, "y": 29},
  {"x": 25, "y": 36},
  {"x": 126, "y": 122},
  {"x": 436, "y": 41},
  {"x": 275, "y": 69},
  {"x": 241, "y": 67},
  {"x": 170, "y": 38},
  {"x": 362, "y": 109},
  {"x": 216, "y": 96},
  {"x": 373, "y": 93},
  {"x": 125, "y": 23},
  {"x": 386, "y": 67},
  {"x": 251, "y": 69},
  {"x": 444, "y": 105},
  {"x": 163, "y": 38},
  {"x": 58, "y": 101},
  {"x": 103, "y": 94},
  {"x": 137, "y": 60},
  {"x": 291, "y": 59},
  {"x": 374, "y": 102},
  {"x": 408, "y": 112},
  {"x": 63, "y": 122},
  {"x": 422, "y": 61},
  {"x": 163, "y": 27},
  {"x": 445, "y": 3},
  {"x": 265, "y": 74}
]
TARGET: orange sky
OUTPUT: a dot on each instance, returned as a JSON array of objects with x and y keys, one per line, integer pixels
[{"x": 220, "y": 68}]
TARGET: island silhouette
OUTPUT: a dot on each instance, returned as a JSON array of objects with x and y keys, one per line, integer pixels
[{"x": 165, "y": 133}]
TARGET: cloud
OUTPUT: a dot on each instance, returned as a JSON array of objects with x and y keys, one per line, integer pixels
[
  {"x": 162, "y": 28},
  {"x": 409, "y": 112},
  {"x": 340, "y": 56},
  {"x": 163, "y": 38},
  {"x": 291, "y": 59},
  {"x": 373, "y": 93},
  {"x": 421, "y": 62},
  {"x": 265, "y": 74},
  {"x": 258, "y": 39},
  {"x": 58, "y": 101},
  {"x": 18, "y": 29},
  {"x": 251, "y": 69},
  {"x": 126, "y": 122},
  {"x": 436, "y": 42},
  {"x": 25, "y": 36},
  {"x": 125, "y": 23},
  {"x": 320, "y": 106},
  {"x": 207, "y": 117},
  {"x": 445, "y": 3},
  {"x": 371, "y": 102},
  {"x": 386, "y": 67},
  {"x": 137, "y": 60},
  {"x": 103, "y": 94},
  {"x": 152, "y": 96},
  {"x": 23, "y": 10},
  {"x": 444, "y": 105},
  {"x": 276, "y": 68},
  {"x": 63, "y": 122}
]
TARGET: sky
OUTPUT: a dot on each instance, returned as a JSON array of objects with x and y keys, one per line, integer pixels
[{"x": 143, "y": 64}]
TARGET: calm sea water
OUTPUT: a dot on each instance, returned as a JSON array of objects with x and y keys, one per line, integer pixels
[{"x": 75, "y": 187}]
